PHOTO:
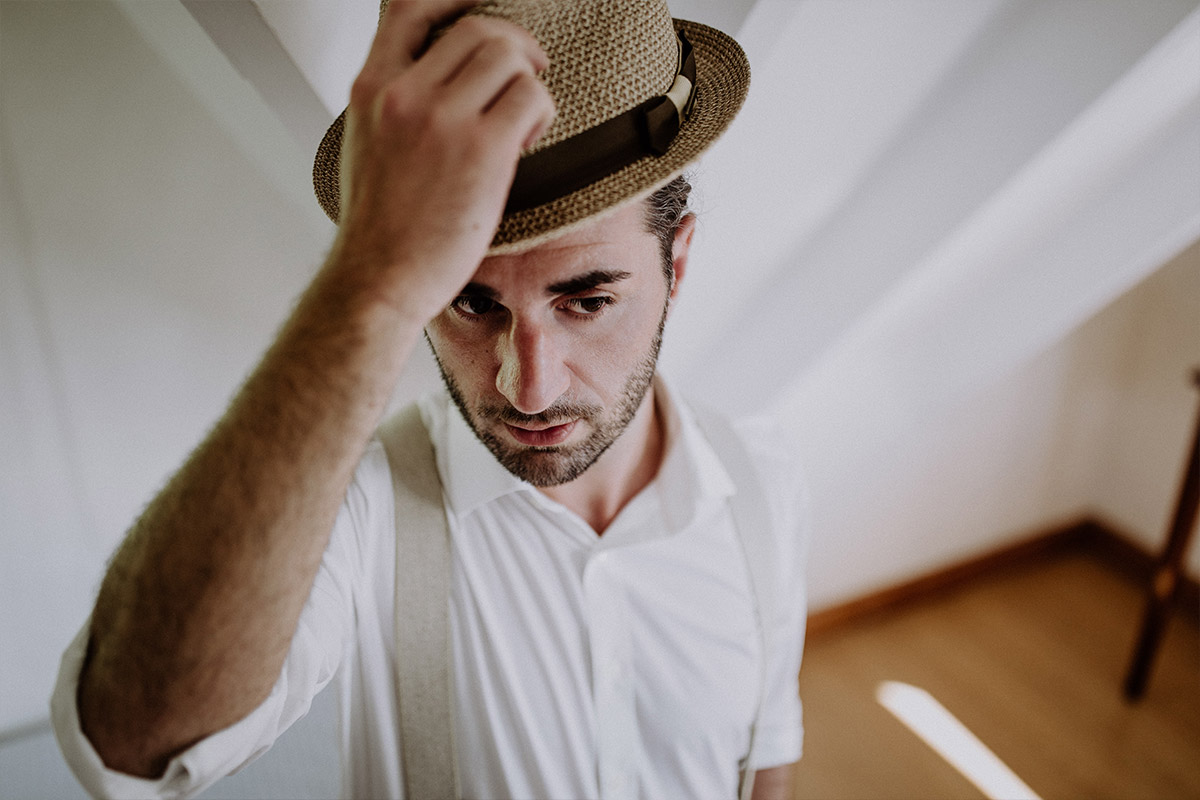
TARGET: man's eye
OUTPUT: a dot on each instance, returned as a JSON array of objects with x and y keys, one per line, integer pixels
[
  {"x": 474, "y": 305},
  {"x": 589, "y": 306}
]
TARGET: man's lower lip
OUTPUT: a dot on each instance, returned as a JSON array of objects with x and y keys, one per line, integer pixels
[{"x": 547, "y": 437}]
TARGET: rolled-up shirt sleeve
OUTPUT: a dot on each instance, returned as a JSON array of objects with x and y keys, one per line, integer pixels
[
  {"x": 317, "y": 648},
  {"x": 779, "y": 738}
]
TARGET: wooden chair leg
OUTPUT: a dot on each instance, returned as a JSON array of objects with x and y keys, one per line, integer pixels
[{"x": 1161, "y": 596}]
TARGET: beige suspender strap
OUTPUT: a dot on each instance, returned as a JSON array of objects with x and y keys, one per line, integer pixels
[
  {"x": 749, "y": 509},
  {"x": 424, "y": 655}
]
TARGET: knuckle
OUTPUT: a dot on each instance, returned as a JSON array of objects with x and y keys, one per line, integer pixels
[
  {"x": 489, "y": 48},
  {"x": 509, "y": 30},
  {"x": 505, "y": 54},
  {"x": 492, "y": 31},
  {"x": 533, "y": 93},
  {"x": 396, "y": 103},
  {"x": 472, "y": 25}
]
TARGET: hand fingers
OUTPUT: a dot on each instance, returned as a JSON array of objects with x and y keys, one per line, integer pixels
[
  {"x": 404, "y": 29},
  {"x": 525, "y": 108},
  {"x": 447, "y": 57},
  {"x": 484, "y": 60},
  {"x": 487, "y": 72}
]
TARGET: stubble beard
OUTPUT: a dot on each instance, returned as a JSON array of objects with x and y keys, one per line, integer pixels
[{"x": 559, "y": 464}]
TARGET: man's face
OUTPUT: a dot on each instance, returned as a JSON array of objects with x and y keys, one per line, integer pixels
[{"x": 549, "y": 353}]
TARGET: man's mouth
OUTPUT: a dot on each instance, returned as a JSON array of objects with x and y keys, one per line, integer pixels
[{"x": 535, "y": 434}]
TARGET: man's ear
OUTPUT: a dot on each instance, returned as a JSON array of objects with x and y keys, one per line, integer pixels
[{"x": 679, "y": 252}]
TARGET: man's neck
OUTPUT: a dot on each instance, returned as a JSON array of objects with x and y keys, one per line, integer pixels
[{"x": 627, "y": 467}]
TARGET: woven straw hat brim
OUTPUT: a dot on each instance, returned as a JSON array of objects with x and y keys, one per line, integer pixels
[{"x": 722, "y": 81}]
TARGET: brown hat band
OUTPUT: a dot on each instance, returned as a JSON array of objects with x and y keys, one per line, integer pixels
[{"x": 646, "y": 129}]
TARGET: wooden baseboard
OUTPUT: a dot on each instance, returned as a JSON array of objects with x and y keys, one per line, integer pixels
[{"x": 1102, "y": 539}]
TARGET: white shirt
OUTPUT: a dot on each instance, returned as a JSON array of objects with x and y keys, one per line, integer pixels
[{"x": 618, "y": 666}]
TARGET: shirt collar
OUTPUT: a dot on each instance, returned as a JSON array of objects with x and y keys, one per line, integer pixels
[
  {"x": 692, "y": 478},
  {"x": 471, "y": 475}
]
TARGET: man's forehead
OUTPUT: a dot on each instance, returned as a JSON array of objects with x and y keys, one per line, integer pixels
[{"x": 618, "y": 242}]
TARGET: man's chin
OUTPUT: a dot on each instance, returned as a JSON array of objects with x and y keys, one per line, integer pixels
[
  {"x": 547, "y": 479},
  {"x": 545, "y": 466}
]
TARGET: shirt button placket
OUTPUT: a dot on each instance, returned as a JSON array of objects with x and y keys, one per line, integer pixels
[{"x": 616, "y": 730}]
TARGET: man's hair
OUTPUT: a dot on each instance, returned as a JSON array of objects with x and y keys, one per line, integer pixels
[{"x": 665, "y": 210}]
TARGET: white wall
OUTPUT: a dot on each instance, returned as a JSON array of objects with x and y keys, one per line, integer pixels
[
  {"x": 44, "y": 530},
  {"x": 1096, "y": 424},
  {"x": 1152, "y": 404},
  {"x": 146, "y": 262},
  {"x": 155, "y": 224},
  {"x": 876, "y": 135}
]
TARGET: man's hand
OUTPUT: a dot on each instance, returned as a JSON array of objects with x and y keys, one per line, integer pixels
[{"x": 430, "y": 149}]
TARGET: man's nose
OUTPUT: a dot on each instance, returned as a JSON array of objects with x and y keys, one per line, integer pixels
[{"x": 532, "y": 374}]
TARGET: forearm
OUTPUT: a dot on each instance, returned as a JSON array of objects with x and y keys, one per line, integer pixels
[
  {"x": 200, "y": 603},
  {"x": 775, "y": 783}
]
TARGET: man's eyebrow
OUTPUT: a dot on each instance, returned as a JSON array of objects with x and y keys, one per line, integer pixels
[
  {"x": 480, "y": 290},
  {"x": 590, "y": 280}
]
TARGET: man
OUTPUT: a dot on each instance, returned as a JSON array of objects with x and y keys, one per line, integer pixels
[{"x": 604, "y": 620}]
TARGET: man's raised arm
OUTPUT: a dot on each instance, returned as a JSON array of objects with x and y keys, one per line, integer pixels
[{"x": 199, "y": 606}]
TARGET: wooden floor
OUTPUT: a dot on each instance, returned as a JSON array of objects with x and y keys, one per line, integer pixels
[{"x": 1031, "y": 660}]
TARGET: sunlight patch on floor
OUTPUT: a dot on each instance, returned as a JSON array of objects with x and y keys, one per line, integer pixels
[{"x": 921, "y": 713}]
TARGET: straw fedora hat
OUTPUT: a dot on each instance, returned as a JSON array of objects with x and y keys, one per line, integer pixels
[{"x": 639, "y": 97}]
